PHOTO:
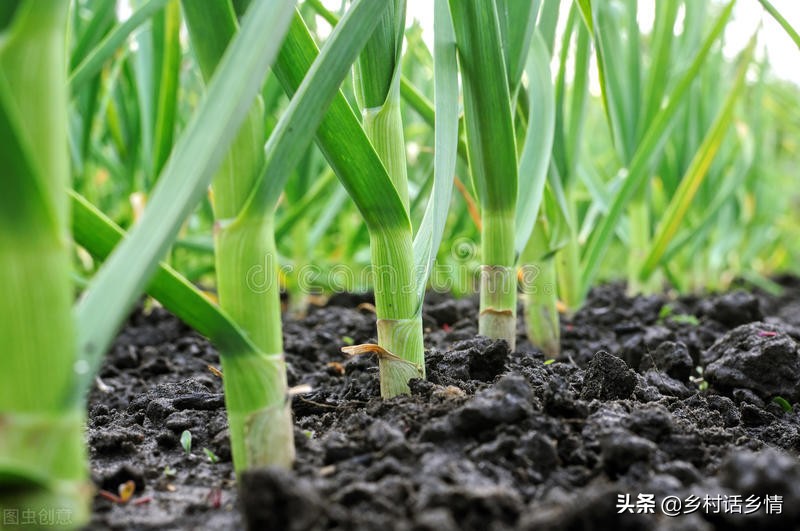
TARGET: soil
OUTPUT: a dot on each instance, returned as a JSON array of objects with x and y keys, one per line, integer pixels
[{"x": 655, "y": 395}]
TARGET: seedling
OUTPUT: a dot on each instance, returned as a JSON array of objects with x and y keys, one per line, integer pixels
[
  {"x": 665, "y": 311},
  {"x": 369, "y": 161},
  {"x": 246, "y": 192},
  {"x": 668, "y": 312},
  {"x": 699, "y": 380},
  {"x": 124, "y": 494},
  {"x": 126, "y": 491},
  {"x": 186, "y": 441},
  {"x": 685, "y": 318},
  {"x": 785, "y": 405},
  {"x": 493, "y": 51},
  {"x": 211, "y": 456}
]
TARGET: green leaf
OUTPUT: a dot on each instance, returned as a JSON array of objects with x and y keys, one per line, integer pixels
[
  {"x": 327, "y": 217},
  {"x": 377, "y": 74},
  {"x": 617, "y": 61},
  {"x": 722, "y": 197},
  {"x": 585, "y": 7},
  {"x": 322, "y": 11},
  {"x": 309, "y": 104},
  {"x": 87, "y": 35},
  {"x": 685, "y": 318},
  {"x": 578, "y": 103},
  {"x": 430, "y": 232},
  {"x": 423, "y": 106},
  {"x": 35, "y": 316},
  {"x": 211, "y": 456},
  {"x": 417, "y": 100},
  {"x": 186, "y": 441},
  {"x": 212, "y": 27},
  {"x": 673, "y": 217},
  {"x": 782, "y": 21},
  {"x": 93, "y": 63},
  {"x": 548, "y": 20},
  {"x": 658, "y": 81},
  {"x": 785, "y": 405},
  {"x": 18, "y": 159},
  {"x": 93, "y": 231},
  {"x": 320, "y": 189},
  {"x": 379, "y": 63},
  {"x": 487, "y": 107},
  {"x": 571, "y": 109},
  {"x": 166, "y": 110},
  {"x": 517, "y": 23},
  {"x": 342, "y": 140},
  {"x": 648, "y": 148},
  {"x": 184, "y": 180},
  {"x": 535, "y": 159},
  {"x": 492, "y": 153}
]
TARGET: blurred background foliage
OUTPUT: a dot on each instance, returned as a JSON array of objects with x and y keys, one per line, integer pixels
[{"x": 742, "y": 223}]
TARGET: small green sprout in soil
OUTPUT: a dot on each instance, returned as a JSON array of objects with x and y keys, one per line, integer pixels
[
  {"x": 186, "y": 441},
  {"x": 685, "y": 318},
  {"x": 700, "y": 380},
  {"x": 211, "y": 456},
  {"x": 785, "y": 405},
  {"x": 665, "y": 312},
  {"x": 124, "y": 493},
  {"x": 668, "y": 312}
]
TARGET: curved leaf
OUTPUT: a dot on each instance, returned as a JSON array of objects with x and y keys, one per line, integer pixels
[
  {"x": 92, "y": 64},
  {"x": 535, "y": 158},
  {"x": 431, "y": 230},
  {"x": 697, "y": 171},
  {"x": 183, "y": 182},
  {"x": 342, "y": 140},
  {"x": 307, "y": 110},
  {"x": 650, "y": 145}
]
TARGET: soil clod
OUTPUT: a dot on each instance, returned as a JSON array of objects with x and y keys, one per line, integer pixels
[{"x": 642, "y": 401}]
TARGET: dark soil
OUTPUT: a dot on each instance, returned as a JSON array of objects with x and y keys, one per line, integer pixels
[{"x": 669, "y": 397}]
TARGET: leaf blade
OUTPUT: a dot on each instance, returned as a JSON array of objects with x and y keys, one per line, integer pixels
[
  {"x": 652, "y": 139},
  {"x": 697, "y": 171},
  {"x": 535, "y": 159},
  {"x": 197, "y": 154},
  {"x": 431, "y": 230}
]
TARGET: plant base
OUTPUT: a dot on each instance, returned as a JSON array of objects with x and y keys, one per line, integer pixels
[
  {"x": 498, "y": 317},
  {"x": 259, "y": 412},
  {"x": 43, "y": 471},
  {"x": 541, "y": 311},
  {"x": 402, "y": 338}
]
